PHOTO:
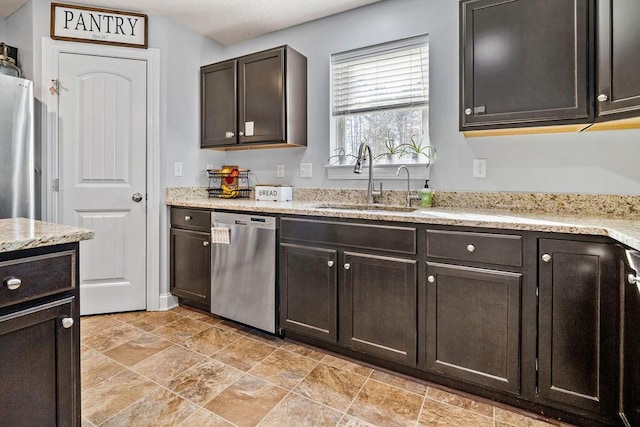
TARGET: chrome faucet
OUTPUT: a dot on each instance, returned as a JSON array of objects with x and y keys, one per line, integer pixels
[
  {"x": 362, "y": 155},
  {"x": 410, "y": 197}
]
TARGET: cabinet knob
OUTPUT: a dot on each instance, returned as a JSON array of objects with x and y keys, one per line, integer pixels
[
  {"x": 347, "y": 266},
  {"x": 633, "y": 280},
  {"x": 67, "y": 322},
  {"x": 241, "y": 133},
  {"x": 471, "y": 248},
  {"x": 205, "y": 243},
  {"x": 602, "y": 97},
  {"x": 431, "y": 278},
  {"x": 546, "y": 257},
  {"x": 229, "y": 135},
  {"x": 187, "y": 218},
  {"x": 12, "y": 283},
  {"x": 468, "y": 112},
  {"x": 330, "y": 263}
]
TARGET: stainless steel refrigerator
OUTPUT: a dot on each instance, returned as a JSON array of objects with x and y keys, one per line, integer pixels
[{"x": 17, "y": 153}]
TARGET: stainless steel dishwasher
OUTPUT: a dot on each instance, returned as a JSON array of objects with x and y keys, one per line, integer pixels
[{"x": 243, "y": 271}]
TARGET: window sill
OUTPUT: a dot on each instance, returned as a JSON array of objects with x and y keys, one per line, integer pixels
[{"x": 380, "y": 171}]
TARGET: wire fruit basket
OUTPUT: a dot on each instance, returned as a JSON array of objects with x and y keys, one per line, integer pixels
[{"x": 229, "y": 182}]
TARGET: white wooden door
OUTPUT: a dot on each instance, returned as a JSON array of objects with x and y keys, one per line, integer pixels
[{"x": 102, "y": 154}]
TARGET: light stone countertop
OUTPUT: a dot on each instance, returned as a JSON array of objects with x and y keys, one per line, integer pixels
[
  {"x": 23, "y": 233},
  {"x": 625, "y": 230}
]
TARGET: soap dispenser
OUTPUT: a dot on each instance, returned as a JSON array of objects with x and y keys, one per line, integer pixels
[{"x": 426, "y": 196}]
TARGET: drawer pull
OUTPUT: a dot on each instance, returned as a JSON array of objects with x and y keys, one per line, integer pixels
[
  {"x": 187, "y": 218},
  {"x": 205, "y": 243},
  {"x": 330, "y": 263},
  {"x": 471, "y": 248},
  {"x": 12, "y": 283},
  {"x": 347, "y": 266},
  {"x": 546, "y": 257},
  {"x": 431, "y": 279},
  {"x": 67, "y": 322}
]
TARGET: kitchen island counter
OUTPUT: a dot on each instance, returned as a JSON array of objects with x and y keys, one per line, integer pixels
[{"x": 22, "y": 233}]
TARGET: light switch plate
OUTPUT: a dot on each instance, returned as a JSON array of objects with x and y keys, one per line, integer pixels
[
  {"x": 305, "y": 170},
  {"x": 280, "y": 171},
  {"x": 177, "y": 168}
]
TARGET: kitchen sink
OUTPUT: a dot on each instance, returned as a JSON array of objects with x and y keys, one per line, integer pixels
[{"x": 364, "y": 207}]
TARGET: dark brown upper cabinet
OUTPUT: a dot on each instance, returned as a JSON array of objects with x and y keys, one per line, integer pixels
[
  {"x": 255, "y": 101},
  {"x": 524, "y": 63},
  {"x": 618, "y": 50}
]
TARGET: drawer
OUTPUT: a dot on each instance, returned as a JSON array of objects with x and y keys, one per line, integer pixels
[
  {"x": 501, "y": 249},
  {"x": 191, "y": 218},
  {"x": 368, "y": 236},
  {"x": 39, "y": 276}
]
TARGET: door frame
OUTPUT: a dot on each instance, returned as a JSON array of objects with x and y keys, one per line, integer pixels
[{"x": 51, "y": 51}]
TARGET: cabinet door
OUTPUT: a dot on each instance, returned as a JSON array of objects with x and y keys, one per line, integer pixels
[
  {"x": 524, "y": 62},
  {"x": 631, "y": 350},
  {"x": 40, "y": 366},
  {"x": 218, "y": 109},
  {"x": 378, "y": 310},
  {"x": 261, "y": 100},
  {"x": 473, "y": 325},
  {"x": 578, "y": 302},
  {"x": 191, "y": 267},
  {"x": 618, "y": 57},
  {"x": 308, "y": 291}
]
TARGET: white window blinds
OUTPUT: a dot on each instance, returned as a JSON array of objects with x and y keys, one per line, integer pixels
[{"x": 391, "y": 75}]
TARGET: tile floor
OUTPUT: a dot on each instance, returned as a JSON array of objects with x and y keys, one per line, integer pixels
[{"x": 186, "y": 368}]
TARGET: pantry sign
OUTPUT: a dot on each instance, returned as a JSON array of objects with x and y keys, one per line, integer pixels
[{"x": 103, "y": 26}]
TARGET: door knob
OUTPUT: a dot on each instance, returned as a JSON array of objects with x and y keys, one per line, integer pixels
[
  {"x": 546, "y": 257},
  {"x": 602, "y": 97},
  {"x": 468, "y": 112},
  {"x": 431, "y": 279},
  {"x": 67, "y": 322},
  {"x": 137, "y": 197},
  {"x": 347, "y": 266},
  {"x": 330, "y": 263}
]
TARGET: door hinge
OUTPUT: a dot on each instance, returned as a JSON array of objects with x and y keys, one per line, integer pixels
[
  {"x": 537, "y": 364},
  {"x": 537, "y": 291},
  {"x": 55, "y": 87},
  {"x": 56, "y": 184}
]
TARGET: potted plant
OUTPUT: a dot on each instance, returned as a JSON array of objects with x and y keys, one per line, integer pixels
[
  {"x": 341, "y": 157},
  {"x": 392, "y": 152},
  {"x": 416, "y": 149}
]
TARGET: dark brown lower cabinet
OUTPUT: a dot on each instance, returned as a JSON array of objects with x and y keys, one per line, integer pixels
[
  {"x": 379, "y": 300},
  {"x": 38, "y": 368},
  {"x": 40, "y": 337},
  {"x": 191, "y": 267},
  {"x": 308, "y": 291},
  {"x": 578, "y": 325},
  {"x": 473, "y": 325},
  {"x": 630, "y": 401}
]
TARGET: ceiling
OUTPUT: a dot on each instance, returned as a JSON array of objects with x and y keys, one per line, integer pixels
[{"x": 226, "y": 21}]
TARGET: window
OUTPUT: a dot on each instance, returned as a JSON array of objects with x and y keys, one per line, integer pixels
[{"x": 380, "y": 95}]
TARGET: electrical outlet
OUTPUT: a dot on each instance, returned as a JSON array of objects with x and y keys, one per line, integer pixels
[
  {"x": 479, "y": 168},
  {"x": 305, "y": 170},
  {"x": 177, "y": 168},
  {"x": 280, "y": 171}
]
